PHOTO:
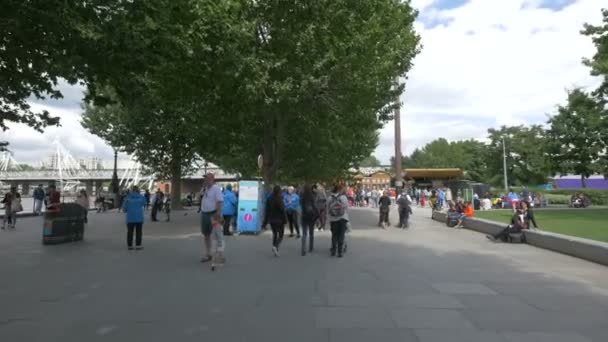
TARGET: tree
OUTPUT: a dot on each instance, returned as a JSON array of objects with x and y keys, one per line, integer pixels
[
  {"x": 527, "y": 163},
  {"x": 164, "y": 141},
  {"x": 370, "y": 161},
  {"x": 599, "y": 67},
  {"x": 575, "y": 137},
  {"x": 468, "y": 155},
  {"x": 599, "y": 62},
  {"x": 42, "y": 42},
  {"x": 320, "y": 81},
  {"x": 164, "y": 99}
]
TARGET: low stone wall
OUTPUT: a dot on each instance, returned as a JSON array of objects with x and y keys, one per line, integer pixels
[{"x": 591, "y": 250}]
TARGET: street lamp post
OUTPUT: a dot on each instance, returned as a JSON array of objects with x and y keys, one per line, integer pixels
[
  {"x": 397, "y": 115},
  {"x": 504, "y": 164},
  {"x": 114, "y": 183}
]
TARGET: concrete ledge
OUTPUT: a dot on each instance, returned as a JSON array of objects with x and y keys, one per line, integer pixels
[{"x": 587, "y": 249}]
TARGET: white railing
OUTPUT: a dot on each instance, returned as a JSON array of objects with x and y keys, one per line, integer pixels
[{"x": 83, "y": 175}]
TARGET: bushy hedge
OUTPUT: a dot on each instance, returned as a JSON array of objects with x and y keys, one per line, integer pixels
[
  {"x": 557, "y": 198},
  {"x": 597, "y": 197}
]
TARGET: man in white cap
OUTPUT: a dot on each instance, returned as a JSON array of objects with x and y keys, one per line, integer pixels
[{"x": 211, "y": 207}]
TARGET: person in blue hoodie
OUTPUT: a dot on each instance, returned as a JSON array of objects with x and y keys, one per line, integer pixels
[
  {"x": 133, "y": 206},
  {"x": 228, "y": 209},
  {"x": 291, "y": 200}
]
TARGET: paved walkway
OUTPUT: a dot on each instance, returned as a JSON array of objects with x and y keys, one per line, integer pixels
[{"x": 428, "y": 283}]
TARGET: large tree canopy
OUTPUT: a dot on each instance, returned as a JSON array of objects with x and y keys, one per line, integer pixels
[
  {"x": 320, "y": 81},
  {"x": 41, "y": 42},
  {"x": 525, "y": 150},
  {"x": 575, "y": 137},
  {"x": 599, "y": 62}
]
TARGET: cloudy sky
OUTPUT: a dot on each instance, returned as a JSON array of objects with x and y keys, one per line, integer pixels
[{"x": 484, "y": 63}]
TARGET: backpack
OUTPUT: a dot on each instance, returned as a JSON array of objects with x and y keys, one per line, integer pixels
[
  {"x": 403, "y": 202},
  {"x": 321, "y": 202},
  {"x": 336, "y": 207},
  {"x": 309, "y": 208}
]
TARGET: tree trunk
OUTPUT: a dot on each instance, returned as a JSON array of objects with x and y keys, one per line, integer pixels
[
  {"x": 269, "y": 153},
  {"x": 584, "y": 181},
  {"x": 176, "y": 184}
]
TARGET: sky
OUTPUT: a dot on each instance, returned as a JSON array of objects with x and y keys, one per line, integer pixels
[{"x": 483, "y": 64}]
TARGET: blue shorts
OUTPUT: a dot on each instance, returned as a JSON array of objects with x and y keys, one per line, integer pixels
[{"x": 206, "y": 227}]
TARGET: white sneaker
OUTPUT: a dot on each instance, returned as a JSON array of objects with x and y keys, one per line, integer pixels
[{"x": 275, "y": 251}]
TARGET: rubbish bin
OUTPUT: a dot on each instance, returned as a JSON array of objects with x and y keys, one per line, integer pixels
[{"x": 63, "y": 223}]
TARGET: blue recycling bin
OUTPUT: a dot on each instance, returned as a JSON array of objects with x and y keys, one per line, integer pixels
[{"x": 251, "y": 207}]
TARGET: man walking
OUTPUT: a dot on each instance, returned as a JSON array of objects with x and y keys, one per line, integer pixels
[
  {"x": 211, "y": 207},
  {"x": 38, "y": 199},
  {"x": 292, "y": 205},
  {"x": 156, "y": 204},
  {"x": 440, "y": 199},
  {"x": 228, "y": 208}
]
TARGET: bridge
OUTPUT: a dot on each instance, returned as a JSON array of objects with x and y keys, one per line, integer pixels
[
  {"x": 34, "y": 176},
  {"x": 69, "y": 174}
]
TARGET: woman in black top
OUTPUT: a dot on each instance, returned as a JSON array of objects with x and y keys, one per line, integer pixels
[
  {"x": 521, "y": 220},
  {"x": 275, "y": 215},
  {"x": 528, "y": 213},
  {"x": 385, "y": 204},
  {"x": 310, "y": 213}
]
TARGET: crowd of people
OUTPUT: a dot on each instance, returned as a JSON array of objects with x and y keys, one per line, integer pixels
[
  {"x": 13, "y": 205},
  {"x": 303, "y": 209}
]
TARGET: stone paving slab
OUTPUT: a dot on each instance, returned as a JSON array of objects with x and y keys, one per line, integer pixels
[
  {"x": 434, "y": 301},
  {"x": 458, "y": 336},
  {"x": 431, "y": 319},
  {"x": 463, "y": 288},
  {"x": 427, "y": 283}
]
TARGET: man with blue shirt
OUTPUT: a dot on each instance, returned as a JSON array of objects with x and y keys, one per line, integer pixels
[
  {"x": 440, "y": 198},
  {"x": 514, "y": 199},
  {"x": 228, "y": 208},
  {"x": 291, "y": 200}
]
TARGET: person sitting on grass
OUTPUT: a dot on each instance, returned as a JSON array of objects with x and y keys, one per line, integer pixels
[{"x": 467, "y": 212}]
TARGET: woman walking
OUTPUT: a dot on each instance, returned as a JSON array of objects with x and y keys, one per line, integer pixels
[
  {"x": 12, "y": 205},
  {"x": 275, "y": 215},
  {"x": 321, "y": 203},
  {"x": 310, "y": 213},
  {"x": 338, "y": 218},
  {"x": 133, "y": 206}
]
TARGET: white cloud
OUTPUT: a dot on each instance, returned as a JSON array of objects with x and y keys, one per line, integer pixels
[
  {"x": 491, "y": 63},
  {"x": 30, "y": 146}
]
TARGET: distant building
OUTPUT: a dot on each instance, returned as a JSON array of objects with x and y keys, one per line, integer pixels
[
  {"x": 92, "y": 163},
  {"x": 597, "y": 182}
]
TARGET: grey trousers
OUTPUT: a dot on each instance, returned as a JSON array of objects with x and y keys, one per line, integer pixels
[{"x": 308, "y": 230}]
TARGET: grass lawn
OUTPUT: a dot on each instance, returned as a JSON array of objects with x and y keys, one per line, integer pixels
[{"x": 585, "y": 223}]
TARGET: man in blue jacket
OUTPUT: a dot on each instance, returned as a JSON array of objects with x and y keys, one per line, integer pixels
[
  {"x": 133, "y": 206},
  {"x": 228, "y": 209},
  {"x": 291, "y": 200}
]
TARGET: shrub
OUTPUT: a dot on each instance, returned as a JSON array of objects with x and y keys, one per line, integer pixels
[
  {"x": 597, "y": 197},
  {"x": 557, "y": 198}
]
